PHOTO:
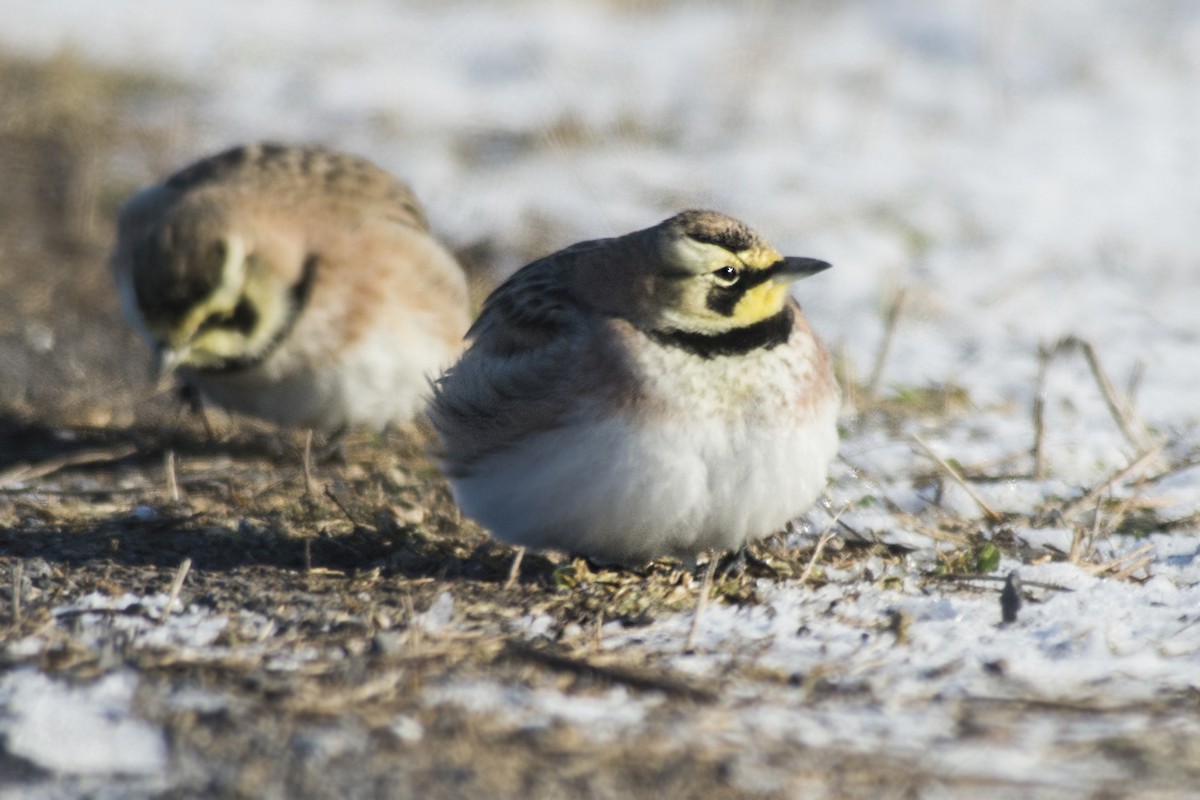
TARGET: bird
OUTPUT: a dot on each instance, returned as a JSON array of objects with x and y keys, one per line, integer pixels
[
  {"x": 292, "y": 283},
  {"x": 657, "y": 394}
]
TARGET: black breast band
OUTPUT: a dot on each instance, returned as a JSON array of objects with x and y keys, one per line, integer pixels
[{"x": 768, "y": 333}]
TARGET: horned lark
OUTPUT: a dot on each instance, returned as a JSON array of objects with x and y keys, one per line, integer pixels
[
  {"x": 656, "y": 394},
  {"x": 295, "y": 284}
]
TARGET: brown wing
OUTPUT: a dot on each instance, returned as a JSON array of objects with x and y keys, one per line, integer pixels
[
  {"x": 539, "y": 353},
  {"x": 534, "y": 306}
]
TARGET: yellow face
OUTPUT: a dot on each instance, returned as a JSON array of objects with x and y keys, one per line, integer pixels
[
  {"x": 234, "y": 324},
  {"x": 708, "y": 289},
  {"x": 767, "y": 297}
]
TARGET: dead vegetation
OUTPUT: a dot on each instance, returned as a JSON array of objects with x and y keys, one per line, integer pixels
[{"x": 327, "y": 573}]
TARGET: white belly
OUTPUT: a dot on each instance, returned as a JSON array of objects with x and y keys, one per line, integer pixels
[{"x": 628, "y": 490}]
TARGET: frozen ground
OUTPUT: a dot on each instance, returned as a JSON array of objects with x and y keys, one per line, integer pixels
[{"x": 1019, "y": 171}]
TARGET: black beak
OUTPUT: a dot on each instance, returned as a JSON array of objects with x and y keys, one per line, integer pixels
[{"x": 796, "y": 267}]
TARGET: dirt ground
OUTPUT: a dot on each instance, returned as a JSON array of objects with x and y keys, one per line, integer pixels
[{"x": 341, "y": 571}]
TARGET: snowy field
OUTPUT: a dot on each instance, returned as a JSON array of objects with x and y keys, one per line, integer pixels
[{"x": 1001, "y": 173}]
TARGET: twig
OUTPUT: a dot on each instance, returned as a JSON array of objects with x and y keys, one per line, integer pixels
[
  {"x": 329, "y": 493},
  {"x": 115, "y": 491},
  {"x": 40, "y": 469},
  {"x": 988, "y": 511},
  {"x": 637, "y": 678},
  {"x": 891, "y": 320},
  {"x": 689, "y": 644},
  {"x": 962, "y": 578},
  {"x": 176, "y": 586}
]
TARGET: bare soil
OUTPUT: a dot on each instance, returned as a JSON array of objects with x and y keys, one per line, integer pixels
[{"x": 341, "y": 571}]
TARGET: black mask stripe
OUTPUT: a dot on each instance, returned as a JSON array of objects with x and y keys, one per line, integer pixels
[
  {"x": 768, "y": 333},
  {"x": 724, "y": 299}
]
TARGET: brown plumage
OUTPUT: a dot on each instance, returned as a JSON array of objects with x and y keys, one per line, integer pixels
[
  {"x": 296, "y": 284},
  {"x": 652, "y": 394}
]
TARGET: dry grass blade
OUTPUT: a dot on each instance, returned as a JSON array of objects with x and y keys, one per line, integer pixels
[
  {"x": 701, "y": 603},
  {"x": 1039, "y": 413},
  {"x": 414, "y": 628},
  {"x": 987, "y": 510},
  {"x": 846, "y": 378},
  {"x": 1170, "y": 471},
  {"x": 323, "y": 702},
  {"x": 176, "y": 586},
  {"x": 309, "y": 486},
  {"x": 822, "y": 540},
  {"x": 1126, "y": 565},
  {"x": 891, "y": 320},
  {"x": 906, "y": 518},
  {"x": 1080, "y": 550},
  {"x": 1135, "y": 380},
  {"x": 18, "y": 569},
  {"x": 1190, "y": 521},
  {"x": 514, "y": 571},
  {"x": 597, "y": 632},
  {"x": 1069, "y": 509},
  {"x": 28, "y": 472},
  {"x": 937, "y": 535},
  {"x": 1118, "y": 404},
  {"x": 172, "y": 483}
]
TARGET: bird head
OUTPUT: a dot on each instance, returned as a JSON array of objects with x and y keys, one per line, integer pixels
[
  {"x": 207, "y": 292},
  {"x": 714, "y": 274}
]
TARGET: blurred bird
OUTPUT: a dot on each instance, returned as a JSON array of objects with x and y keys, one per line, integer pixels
[
  {"x": 655, "y": 394},
  {"x": 294, "y": 284}
]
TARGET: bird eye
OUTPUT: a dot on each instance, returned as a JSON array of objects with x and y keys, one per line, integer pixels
[{"x": 727, "y": 276}]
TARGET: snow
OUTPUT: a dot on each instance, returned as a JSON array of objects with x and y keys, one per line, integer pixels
[
  {"x": 1024, "y": 171},
  {"x": 86, "y": 730},
  {"x": 439, "y": 614},
  {"x": 141, "y": 618}
]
